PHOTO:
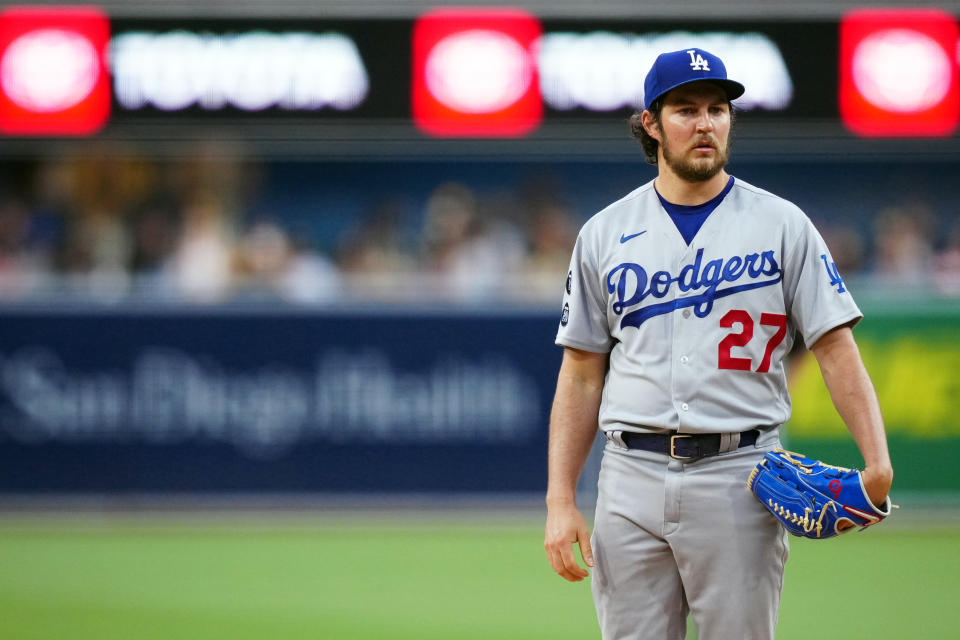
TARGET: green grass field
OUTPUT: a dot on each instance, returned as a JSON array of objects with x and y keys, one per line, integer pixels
[{"x": 476, "y": 578}]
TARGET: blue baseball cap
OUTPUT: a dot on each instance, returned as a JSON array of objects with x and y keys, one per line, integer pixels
[{"x": 677, "y": 68}]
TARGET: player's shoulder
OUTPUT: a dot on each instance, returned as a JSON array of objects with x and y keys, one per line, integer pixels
[
  {"x": 751, "y": 197},
  {"x": 632, "y": 203},
  {"x": 747, "y": 191}
]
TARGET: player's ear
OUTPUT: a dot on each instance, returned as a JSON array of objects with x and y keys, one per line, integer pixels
[{"x": 650, "y": 125}]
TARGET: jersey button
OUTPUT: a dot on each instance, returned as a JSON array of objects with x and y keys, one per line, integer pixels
[
  {"x": 686, "y": 313},
  {"x": 685, "y": 406},
  {"x": 684, "y": 359}
]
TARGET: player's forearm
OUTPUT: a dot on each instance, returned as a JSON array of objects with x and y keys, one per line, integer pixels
[
  {"x": 854, "y": 397},
  {"x": 573, "y": 427}
]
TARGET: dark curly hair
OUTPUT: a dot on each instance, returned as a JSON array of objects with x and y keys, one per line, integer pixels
[{"x": 648, "y": 144}]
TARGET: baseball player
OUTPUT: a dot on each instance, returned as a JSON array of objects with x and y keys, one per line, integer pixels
[{"x": 682, "y": 299}]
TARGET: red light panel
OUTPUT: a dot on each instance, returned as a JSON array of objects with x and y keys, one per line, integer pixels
[
  {"x": 898, "y": 73},
  {"x": 474, "y": 73},
  {"x": 53, "y": 75}
]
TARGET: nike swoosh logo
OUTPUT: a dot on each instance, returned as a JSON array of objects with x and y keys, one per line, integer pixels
[{"x": 624, "y": 238}]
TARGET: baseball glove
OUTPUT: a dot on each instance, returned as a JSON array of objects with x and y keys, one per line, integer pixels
[{"x": 810, "y": 498}]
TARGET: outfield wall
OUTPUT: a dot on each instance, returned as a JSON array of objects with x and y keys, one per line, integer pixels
[{"x": 232, "y": 400}]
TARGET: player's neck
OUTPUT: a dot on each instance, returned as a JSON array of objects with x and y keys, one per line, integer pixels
[{"x": 676, "y": 190}]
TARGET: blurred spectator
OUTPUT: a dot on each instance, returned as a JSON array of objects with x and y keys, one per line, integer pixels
[
  {"x": 948, "y": 264},
  {"x": 154, "y": 237},
  {"x": 154, "y": 233},
  {"x": 376, "y": 243},
  {"x": 262, "y": 256},
  {"x": 201, "y": 263},
  {"x": 904, "y": 246},
  {"x": 93, "y": 257},
  {"x": 269, "y": 265},
  {"x": 309, "y": 277},
  {"x": 21, "y": 267},
  {"x": 474, "y": 251},
  {"x": 552, "y": 236},
  {"x": 846, "y": 246},
  {"x": 451, "y": 219}
]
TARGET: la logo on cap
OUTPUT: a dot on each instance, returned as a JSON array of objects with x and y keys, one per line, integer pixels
[{"x": 697, "y": 62}]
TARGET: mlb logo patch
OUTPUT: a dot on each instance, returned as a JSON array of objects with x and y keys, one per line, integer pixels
[{"x": 53, "y": 73}]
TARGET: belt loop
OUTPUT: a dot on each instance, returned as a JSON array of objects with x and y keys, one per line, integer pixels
[
  {"x": 616, "y": 437},
  {"x": 729, "y": 442}
]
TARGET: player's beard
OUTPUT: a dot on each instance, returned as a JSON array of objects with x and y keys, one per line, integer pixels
[{"x": 697, "y": 170}]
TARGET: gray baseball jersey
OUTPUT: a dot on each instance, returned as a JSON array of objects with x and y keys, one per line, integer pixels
[{"x": 697, "y": 334}]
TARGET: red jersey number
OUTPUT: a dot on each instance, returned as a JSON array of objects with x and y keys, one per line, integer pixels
[{"x": 740, "y": 339}]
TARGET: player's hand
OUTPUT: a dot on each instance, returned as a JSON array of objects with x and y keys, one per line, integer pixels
[
  {"x": 565, "y": 527},
  {"x": 877, "y": 482}
]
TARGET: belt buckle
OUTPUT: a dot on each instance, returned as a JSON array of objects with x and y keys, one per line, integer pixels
[{"x": 673, "y": 452}]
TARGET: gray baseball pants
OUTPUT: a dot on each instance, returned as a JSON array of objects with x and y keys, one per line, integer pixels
[{"x": 672, "y": 538}]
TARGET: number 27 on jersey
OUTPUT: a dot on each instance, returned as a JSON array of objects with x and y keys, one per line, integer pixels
[{"x": 725, "y": 360}]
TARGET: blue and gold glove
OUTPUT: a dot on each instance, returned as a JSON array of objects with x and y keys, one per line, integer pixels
[{"x": 812, "y": 499}]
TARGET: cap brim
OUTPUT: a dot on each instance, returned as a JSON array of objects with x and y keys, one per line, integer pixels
[{"x": 732, "y": 88}]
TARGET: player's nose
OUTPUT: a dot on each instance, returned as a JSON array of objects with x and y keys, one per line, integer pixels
[{"x": 704, "y": 121}]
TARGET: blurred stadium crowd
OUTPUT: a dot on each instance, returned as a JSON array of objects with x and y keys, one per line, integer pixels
[
  {"x": 198, "y": 231},
  {"x": 213, "y": 229}
]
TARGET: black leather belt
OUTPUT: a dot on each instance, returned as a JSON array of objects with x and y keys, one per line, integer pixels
[{"x": 683, "y": 446}]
